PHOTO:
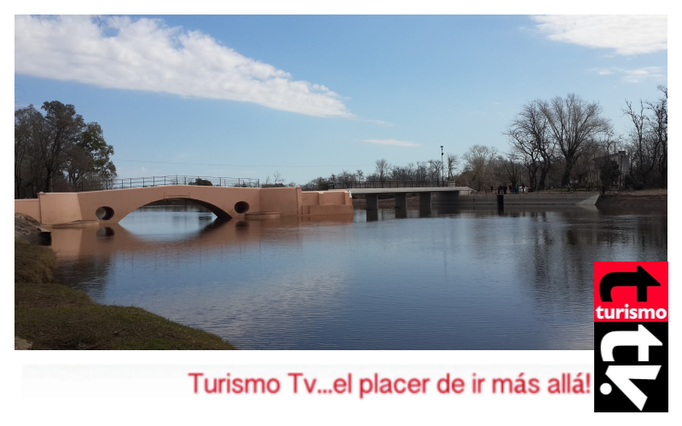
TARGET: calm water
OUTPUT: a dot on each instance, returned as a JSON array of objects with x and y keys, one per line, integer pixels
[{"x": 465, "y": 279}]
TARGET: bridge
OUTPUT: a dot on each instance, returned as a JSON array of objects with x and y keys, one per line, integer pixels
[
  {"x": 446, "y": 195},
  {"x": 110, "y": 206}
]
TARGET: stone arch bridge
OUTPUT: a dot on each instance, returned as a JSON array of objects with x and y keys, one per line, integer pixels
[{"x": 113, "y": 205}]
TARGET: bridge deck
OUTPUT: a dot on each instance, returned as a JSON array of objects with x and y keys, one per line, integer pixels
[{"x": 361, "y": 191}]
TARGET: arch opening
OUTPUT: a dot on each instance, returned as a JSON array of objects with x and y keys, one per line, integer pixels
[
  {"x": 220, "y": 213},
  {"x": 104, "y": 213}
]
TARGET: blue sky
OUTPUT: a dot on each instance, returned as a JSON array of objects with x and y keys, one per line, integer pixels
[{"x": 245, "y": 96}]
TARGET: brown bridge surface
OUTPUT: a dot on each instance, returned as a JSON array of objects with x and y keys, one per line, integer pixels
[{"x": 226, "y": 202}]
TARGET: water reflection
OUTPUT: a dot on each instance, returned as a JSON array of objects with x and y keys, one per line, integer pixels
[{"x": 443, "y": 279}]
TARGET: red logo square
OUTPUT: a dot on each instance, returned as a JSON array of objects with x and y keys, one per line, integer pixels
[{"x": 630, "y": 291}]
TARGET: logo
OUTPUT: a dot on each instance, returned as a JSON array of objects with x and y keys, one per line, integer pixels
[{"x": 631, "y": 336}]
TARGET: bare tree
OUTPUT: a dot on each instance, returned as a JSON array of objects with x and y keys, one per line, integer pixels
[
  {"x": 451, "y": 165},
  {"x": 277, "y": 177},
  {"x": 658, "y": 123},
  {"x": 478, "y": 166},
  {"x": 572, "y": 122},
  {"x": 421, "y": 172},
  {"x": 513, "y": 168},
  {"x": 640, "y": 142},
  {"x": 529, "y": 134},
  {"x": 382, "y": 170},
  {"x": 435, "y": 170},
  {"x": 346, "y": 179}
]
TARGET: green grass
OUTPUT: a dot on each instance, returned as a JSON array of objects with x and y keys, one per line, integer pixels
[
  {"x": 33, "y": 264},
  {"x": 54, "y": 316}
]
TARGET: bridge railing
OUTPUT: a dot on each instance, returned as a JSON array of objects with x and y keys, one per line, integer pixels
[
  {"x": 151, "y": 181},
  {"x": 388, "y": 184}
]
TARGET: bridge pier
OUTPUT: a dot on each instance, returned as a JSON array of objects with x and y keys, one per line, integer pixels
[
  {"x": 371, "y": 201},
  {"x": 401, "y": 200},
  {"x": 425, "y": 200}
]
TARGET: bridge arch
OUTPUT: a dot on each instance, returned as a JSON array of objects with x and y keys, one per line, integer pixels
[
  {"x": 113, "y": 206},
  {"x": 106, "y": 213}
]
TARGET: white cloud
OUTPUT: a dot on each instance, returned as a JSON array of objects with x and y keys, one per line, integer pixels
[
  {"x": 145, "y": 54},
  {"x": 636, "y": 75},
  {"x": 627, "y": 34},
  {"x": 384, "y": 123},
  {"x": 391, "y": 142}
]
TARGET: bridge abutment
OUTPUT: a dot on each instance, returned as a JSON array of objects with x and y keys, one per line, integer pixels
[{"x": 446, "y": 199}]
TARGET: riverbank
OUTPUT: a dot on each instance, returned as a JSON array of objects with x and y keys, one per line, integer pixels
[
  {"x": 53, "y": 316},
  {"x": 651, "y": 199}
]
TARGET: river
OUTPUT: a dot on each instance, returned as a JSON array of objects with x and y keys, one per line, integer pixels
[{"x": 459, "y": 279}]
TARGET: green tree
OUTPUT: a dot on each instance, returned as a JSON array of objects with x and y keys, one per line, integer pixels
[
  {"x": 58, "y": 146},
  {"x": 90, "y": 158},
  {"x": 202, "y": 182}
]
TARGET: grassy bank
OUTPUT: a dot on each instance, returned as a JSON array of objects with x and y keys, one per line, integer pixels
[{"x": 53, "y": 316}]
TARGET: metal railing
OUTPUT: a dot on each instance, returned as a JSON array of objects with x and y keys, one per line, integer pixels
[
  {"x": 387, "y": 184},
  {"x": 147, "y": 182}
]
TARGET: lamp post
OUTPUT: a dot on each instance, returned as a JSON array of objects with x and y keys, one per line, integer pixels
[{"x": 442, "y": 167}]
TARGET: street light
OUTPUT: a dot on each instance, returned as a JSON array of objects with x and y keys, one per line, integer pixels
[{"x": 442, "y": 167}]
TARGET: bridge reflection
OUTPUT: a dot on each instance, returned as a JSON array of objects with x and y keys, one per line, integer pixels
[{"x": 78, "y": 242}]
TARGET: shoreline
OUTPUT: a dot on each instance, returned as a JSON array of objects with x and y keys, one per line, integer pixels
[{"x": 48, "y": 315}]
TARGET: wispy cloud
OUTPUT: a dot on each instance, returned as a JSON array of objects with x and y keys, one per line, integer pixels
[
  {"x": 145, "y": 54},
  {"x": 391, "y": 142},
  {"x": 383, "y": 123},
  {"x": 636, "y": 75},
  {"x": 627, "y": 34}
]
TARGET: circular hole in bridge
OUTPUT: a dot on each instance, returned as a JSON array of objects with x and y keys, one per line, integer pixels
[
  {"x": 104, "y": 213},
  {"x": 241, "y": 207}
]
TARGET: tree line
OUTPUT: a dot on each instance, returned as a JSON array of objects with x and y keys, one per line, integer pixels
[
  {"x": 57, "y": 151},
  {"x": 567, "y": 142},
  {"x": 561, "y": 142},
  {"x": 421, "y": 173}
]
